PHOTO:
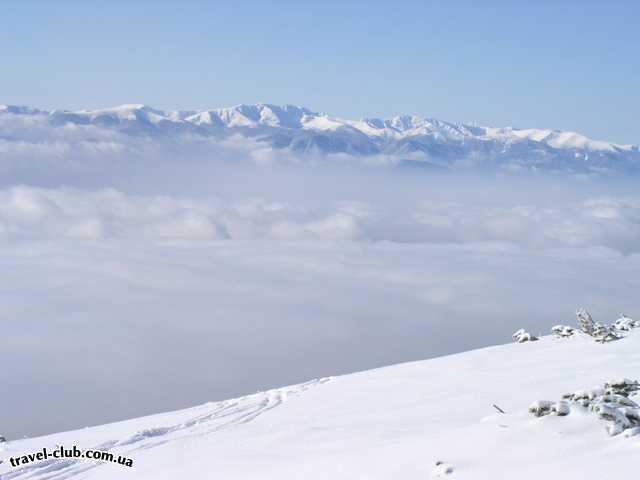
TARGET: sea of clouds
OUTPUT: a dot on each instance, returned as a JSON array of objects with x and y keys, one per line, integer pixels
[
  {"x": 36, "y": 213},
  {"x": 142, "y": 275}
]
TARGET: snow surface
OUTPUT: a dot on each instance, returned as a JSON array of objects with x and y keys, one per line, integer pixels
[{"x": 420, "y": 420}]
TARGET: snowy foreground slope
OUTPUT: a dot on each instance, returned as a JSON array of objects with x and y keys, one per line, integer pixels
[{"x": 389, "y": 423}]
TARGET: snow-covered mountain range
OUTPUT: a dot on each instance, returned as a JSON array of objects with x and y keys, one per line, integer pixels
[
  {"x": 406, "y": 139},
  {"x": 462, "y": 416}
]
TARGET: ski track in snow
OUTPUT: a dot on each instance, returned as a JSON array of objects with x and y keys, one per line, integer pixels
[{"x": 216, "y": 416}]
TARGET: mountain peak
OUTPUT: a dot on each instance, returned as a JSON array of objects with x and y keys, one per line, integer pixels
[{"x": 399, "y": 137}]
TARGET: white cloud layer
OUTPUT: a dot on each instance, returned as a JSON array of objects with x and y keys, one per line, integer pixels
[{"x": 48, "y": 214}]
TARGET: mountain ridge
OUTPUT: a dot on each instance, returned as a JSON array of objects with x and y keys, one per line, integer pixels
[{"x": 404, "y": 137}]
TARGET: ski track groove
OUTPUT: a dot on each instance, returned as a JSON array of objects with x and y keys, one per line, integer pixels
[{"x": 223, "y": 415}]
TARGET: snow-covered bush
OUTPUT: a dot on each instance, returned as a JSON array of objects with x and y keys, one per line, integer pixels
[
  {"x": 2, "y": 439},
  {"x": 625, "y": 323},
  {"x": 545, "y": 407},
  {"x": 615, "y": 403},
  {"x": 585, "y": 321},
  {"x": 600, "y": 332},
  {"x": 540, "y": 408},
  {"x": 522, "y": 336},
  {"x": 562, "y": 330},
  {"x": 584, "y": 397},
  {"x": 604, "y": 333}
]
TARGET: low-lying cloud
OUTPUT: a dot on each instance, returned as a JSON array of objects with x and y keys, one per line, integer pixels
[{"x": 47, "y": 214}]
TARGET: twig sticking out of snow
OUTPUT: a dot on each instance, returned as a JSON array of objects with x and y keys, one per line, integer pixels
[
  {"x": 612, "y": 403},
  {"x": 498, "y": 408}
]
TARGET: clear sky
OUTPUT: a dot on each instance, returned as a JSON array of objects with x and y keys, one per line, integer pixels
[{"x": 561, "y": 64}]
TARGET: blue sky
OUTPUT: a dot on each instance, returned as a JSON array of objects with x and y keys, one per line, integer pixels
[{"x": 567, "y": 65}]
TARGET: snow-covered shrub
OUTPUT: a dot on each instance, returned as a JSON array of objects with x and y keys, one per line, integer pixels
[
  {"x": 584, "y": 397},
  {"x": 585, "y": 321},
  {"x": 601, "y": 333},
  {"x": 522, "y": 336},
  {"x": 614, "y": 403},
  {"x": 604, "y": 333},
  {"x": 2, "y": 439},
  {"x": 562, "y": 330},
  {"x": 625, "y": 323},
  {"x": 546, "y": 407},
  {"x": 540, "y": 408},
  {"x": 622, "y": 386}
]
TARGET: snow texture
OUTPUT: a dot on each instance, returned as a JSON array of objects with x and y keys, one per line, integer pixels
[{"x": 420, "y": 420}]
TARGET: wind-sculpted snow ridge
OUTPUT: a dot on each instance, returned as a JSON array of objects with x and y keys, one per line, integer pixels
[
  {"x": 405, "y": 140},
  {"x": 174, "y": 428}
]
